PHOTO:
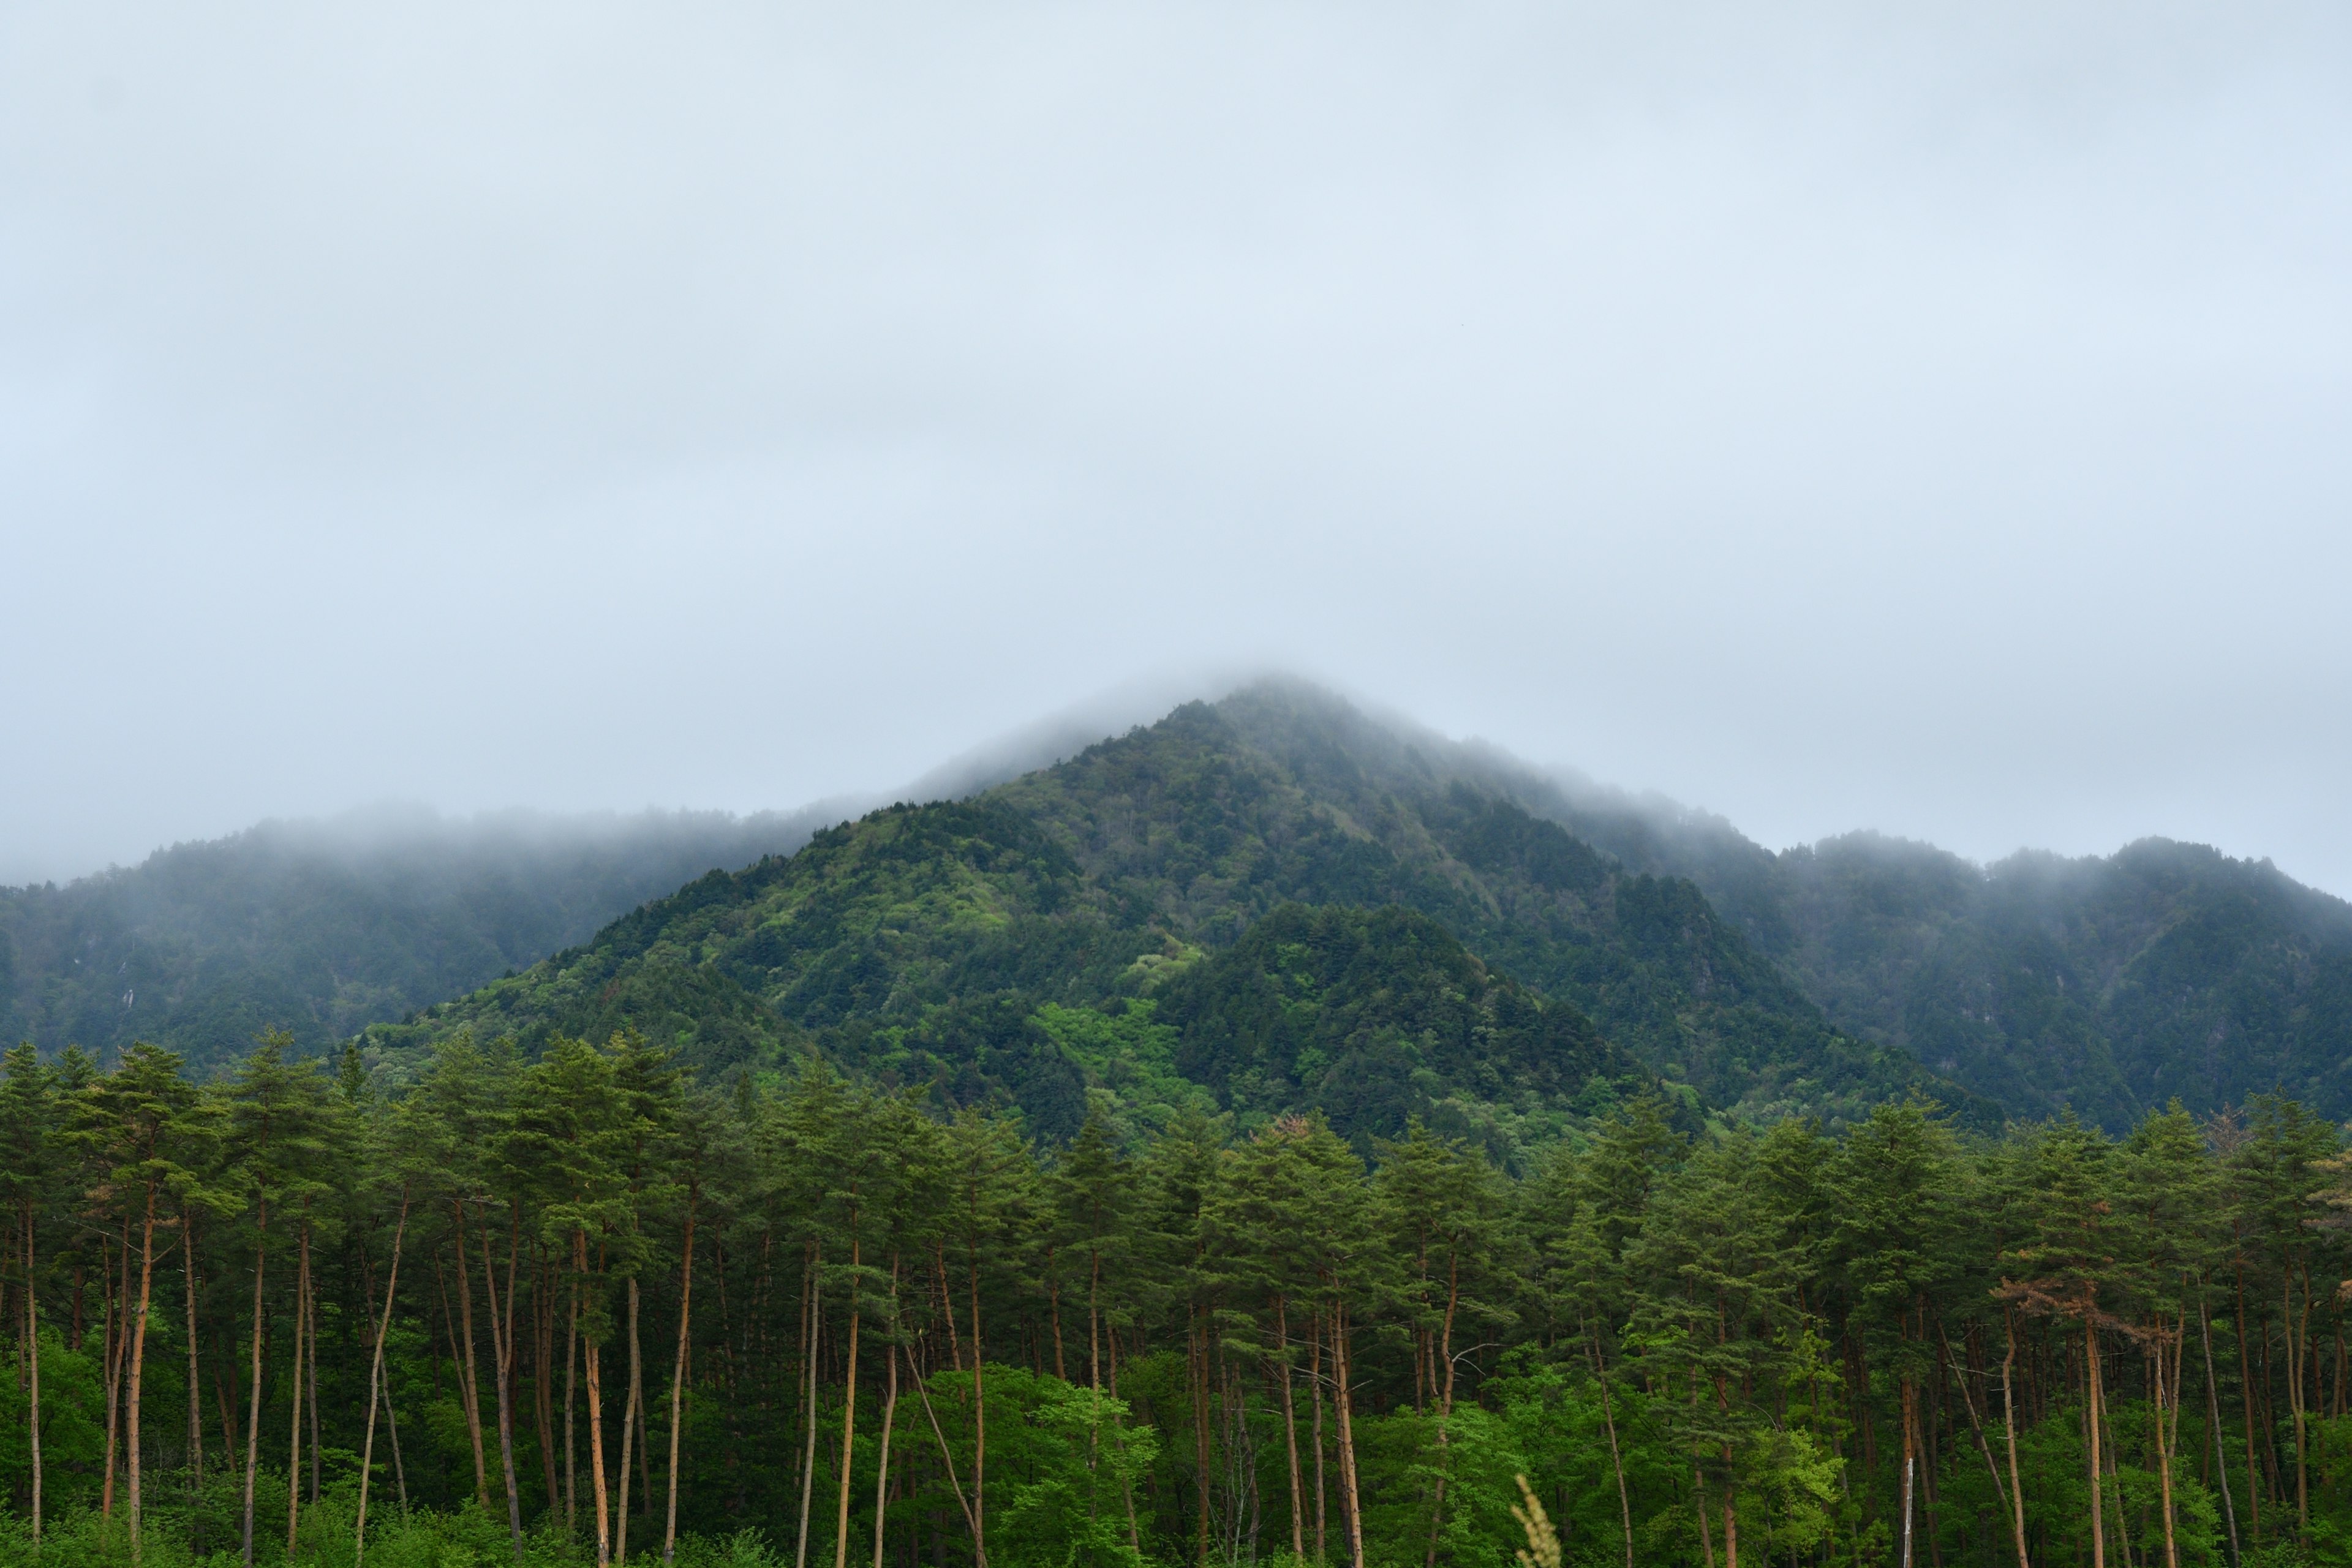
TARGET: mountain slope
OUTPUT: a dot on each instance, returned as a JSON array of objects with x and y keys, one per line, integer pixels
[
  {"x": 323, "y": 928},
  {"x": 2108, "y": 984},
  {"x": 927, "y": 942}
]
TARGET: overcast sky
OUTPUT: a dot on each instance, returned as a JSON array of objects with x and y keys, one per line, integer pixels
[{"x": 1934, "y": 418}]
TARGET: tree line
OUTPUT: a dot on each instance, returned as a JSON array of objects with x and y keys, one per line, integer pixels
[{"x": 581, "y": 1307}]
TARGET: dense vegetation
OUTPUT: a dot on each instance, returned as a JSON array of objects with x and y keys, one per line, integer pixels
[
  {"x": 2105, "y": 985},
  {"x": 324, "y": 927},
  {"x": 927, "y": 944},
  {"x": 577, "y": 1306}
]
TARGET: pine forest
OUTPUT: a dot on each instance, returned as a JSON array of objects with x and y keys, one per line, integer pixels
[{"x": 583, "y": 1307}]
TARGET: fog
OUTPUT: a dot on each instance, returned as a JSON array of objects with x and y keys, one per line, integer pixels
[{"x": 1929, "y": 420}]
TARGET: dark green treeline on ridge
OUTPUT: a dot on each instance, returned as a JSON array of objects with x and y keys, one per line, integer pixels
[{"x": 573, "y": 1306}]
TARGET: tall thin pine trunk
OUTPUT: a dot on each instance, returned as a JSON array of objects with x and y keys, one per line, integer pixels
[
  {"x": 813, "y": 1291},
  {"x": 294, "y": 1437},
  {"x": 2221, "y": 1438},
  {"x": 1609, "y": 1422},
  {"x": 32, "y": 1340},
  {"x": 2009, "y": 1426},
  {"x": 503, "y": 1360},
  {"x": 2091, "y": 1406},
  {"x": 1314, "y": 1388},
  {"x": 1445, "y": 1402},
  {"x": 196, "y": 1400},
  {"x": 890, "y": 1415},
  {"x": 469, "y": 1366},
  {"x": 252, "y": 1414},
  {"x": 1351, "y": 1496},
  {"x": 375, "y": 1381},
  {"x": 678, "y": 1376},
  {"x": 849, "y": 1405},
  {"x": 1290, "y": 1429},
  {"x": 594, "y": 1367},
  {"x": 139, "y": 1356},
  {"x": 2163, "y": 1457},
  {"x": 628, "y": 1434}
]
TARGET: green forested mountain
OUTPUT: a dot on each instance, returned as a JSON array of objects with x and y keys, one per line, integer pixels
[
  {"x": 322, "y": 928},
  {"x": 940, "y": 943},
  {"x": 2106, "y": 985}
]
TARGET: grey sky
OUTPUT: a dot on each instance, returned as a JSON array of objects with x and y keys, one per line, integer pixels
[{"x": 1929, "y": 417}]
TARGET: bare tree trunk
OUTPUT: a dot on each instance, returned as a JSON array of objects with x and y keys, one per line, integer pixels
[
  {"x": 814, "y": 1293},
  {"x": 468, "y": 1380},
  {"x": 117, "y": 1340},
  {"x": 503, "y": 1360},
  {"x": 139, "y": 1355},
  {"x": 1445, "y": 1402},
  {"x": 2091, "y": 1413},
  {"x": 979, "y": 1428},
  {"x": 2009, "y": 1424},
  {"x": 678, "y": 1378},
  {"x": 629, "y": 1433},
  {"x": 32, "y": 1340},
  {"x": 2164, "y": 1458},
  {"x": 1351, "y": 1491},
  {"x": 294, "y": 1437},
  {"x": 1315, "y": 1385},
  {"x": 310, "y": 1338},
  {"x": 375, "y": 1381},
  {"x": 571, "y": 1390},
  {"x": 1616, "y": 1459},
  {"x": 253, "y": 1415},
  {"x": 848, "y": 1407},
  {"x": 2220, "y": 1438},
  {"x": 1289, "y": 1430},
  {"x": 889, "y": 1413},
  {"x": 592, "y": 1363},
  {"x": 196, "y": 1400}
]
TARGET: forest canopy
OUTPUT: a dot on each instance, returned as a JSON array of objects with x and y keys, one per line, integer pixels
[{"x": 578, "y": 1306}]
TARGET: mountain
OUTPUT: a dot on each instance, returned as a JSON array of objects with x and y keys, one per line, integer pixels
[
  {"x": 964, "y": 945},
  {"x": 2106, "y": 985},
  {"x": 323, "y": 928}
]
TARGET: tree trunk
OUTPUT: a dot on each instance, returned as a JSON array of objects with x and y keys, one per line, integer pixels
[
  {"x": 628, "y": 1434},
  {"x": 570, "y": 1390},
  {"x": 593, "y": 1364},
  {"x": 814, "y": 1292},
  {"x": 253, "y": 1416},
  {"x": 468, "y": 1380},
  {"x": 2091, "y": 1407},
  {"x": 979, "y": 1427},
  {"x": 1350, "y": 1492},
  {"x": 294, "y": 1436},
  {"x": 848, "y": 1409},
  {"x": 1315, "y": 1387},
  {"x": 2009, "y": 1424},
  {"x": 542, "y": 1352},
  {"x": 1616, "y": 1459},
  {"x": 890, "y": 1415},
  {"x": 375, "y": 1381},
  {"x": 311, "y": 1371},
  {"x": 2220, "y": 1443},
  {"x": 196, "y": 1400},
  {"x": 1196, "y": 1347},
  {"x": 1289, "y": 1430},
  {"x": 117, "y": 1340},
  {"x": 2164, "y": 1458},
  {"x": 2246, "y": 1413},
  {"x": 139, "y": 1357},
  {"x": 32, "y": 1340},
  {"x": 2296, "y": 1344},
  {"x": 678, "y": 1378},
  {"x": 1444, "y": 1401},
  {"x": 502, "y": 1359}
]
